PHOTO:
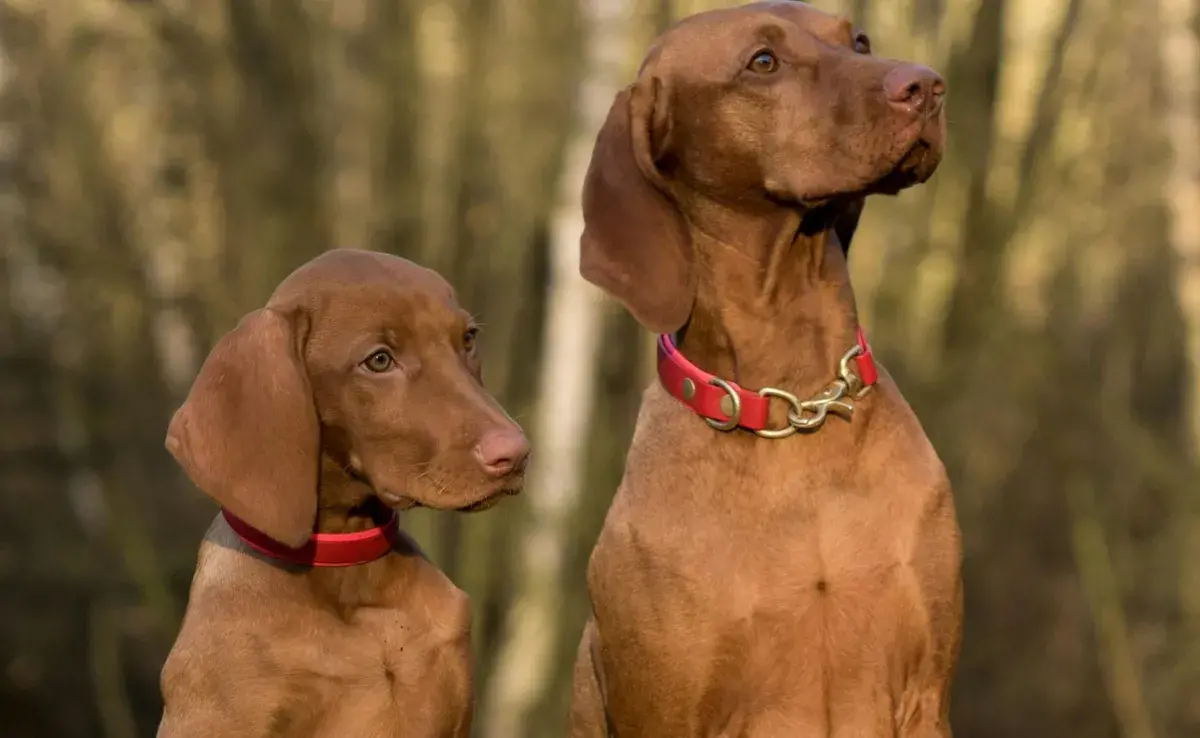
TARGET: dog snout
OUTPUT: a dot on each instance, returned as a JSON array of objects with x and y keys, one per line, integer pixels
[
  {"x": 914, "y": 89},
  {"x": 502, "y": 452}
]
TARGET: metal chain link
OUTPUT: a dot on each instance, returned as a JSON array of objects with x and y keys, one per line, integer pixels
[{"x": 805, "y": 415}]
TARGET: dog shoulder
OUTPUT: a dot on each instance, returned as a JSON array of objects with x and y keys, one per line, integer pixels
[
  {"x": 896, "y": 434},
  {"x": 220, "y": 680},
  {"x": 229, "y": 662},
  {"x": 447, "y": 607}
]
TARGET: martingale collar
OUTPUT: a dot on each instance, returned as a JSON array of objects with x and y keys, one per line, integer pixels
[
  {"x": 725, "y": 405},
  {"x": 322, "y": 549}
]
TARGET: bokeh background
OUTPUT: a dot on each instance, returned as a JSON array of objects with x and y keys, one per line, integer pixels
[{"x": 163, "y": 164}]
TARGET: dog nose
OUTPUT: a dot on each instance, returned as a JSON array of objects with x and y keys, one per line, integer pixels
[
  {"x": 502, "y": 452},
  {"x": 914, "y": 88}
]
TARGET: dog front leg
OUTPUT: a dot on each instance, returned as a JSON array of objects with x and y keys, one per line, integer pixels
[
  {"x": 925, "y": 714},
  {"x": 588, "y": 714}
]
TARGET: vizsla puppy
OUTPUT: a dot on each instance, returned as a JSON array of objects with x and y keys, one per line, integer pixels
[
  {"x": 782, "y": 559},
  {"x": 356, "y": 392}
]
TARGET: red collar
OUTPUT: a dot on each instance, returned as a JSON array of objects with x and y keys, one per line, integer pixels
[
  {"x": 322, "y": 549},
  {"x": 718, "y": 400}
]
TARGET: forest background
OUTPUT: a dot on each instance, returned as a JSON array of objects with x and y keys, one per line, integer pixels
[{"x": 164, "y": 163}]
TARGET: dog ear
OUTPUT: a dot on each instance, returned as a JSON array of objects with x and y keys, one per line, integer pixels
[
  {"x": 247, "y": 434},
  {"x": 635, "y": 244},
  {"x": 846, "y": 222}
]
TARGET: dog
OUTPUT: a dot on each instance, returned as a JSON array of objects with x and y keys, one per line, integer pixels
[
  {"x": 783, "y": 556},
  {"x": 355, "y": 393}
]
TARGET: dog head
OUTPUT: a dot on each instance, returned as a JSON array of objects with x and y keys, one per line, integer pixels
[
  {"x": 362, "y": 363},
  {"x": 749, "y": 109}
]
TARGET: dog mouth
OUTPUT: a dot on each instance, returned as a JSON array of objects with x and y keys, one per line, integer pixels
[
  {"x": 486, "y": 503},
  {"x": 892, "y": 173},
  {"x": 493, "y": 498},
  {"x": 427, "y": 485},
  {"x": 914, "y": 167},
  {"x": 489, "y": 499}
]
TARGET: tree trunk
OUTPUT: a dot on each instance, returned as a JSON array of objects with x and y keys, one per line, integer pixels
[
  {"x": 1103, "y": 594},
  {"x": 564, "y": 404},
  {"x": 1179, "y": 50}
]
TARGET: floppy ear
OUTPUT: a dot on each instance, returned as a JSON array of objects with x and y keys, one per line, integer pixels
[
  {"x": 846, "y": 222},
  {"x": 635, "y": 244},
  {"x": 247, "y": 434}
]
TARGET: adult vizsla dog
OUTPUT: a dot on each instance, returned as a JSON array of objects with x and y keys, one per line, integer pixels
[
  {"x": 782, "y": 558},
  {"x": 354, "y": 393}
]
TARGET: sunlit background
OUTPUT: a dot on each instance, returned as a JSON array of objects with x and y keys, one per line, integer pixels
[{"x": 164, "y": 164}]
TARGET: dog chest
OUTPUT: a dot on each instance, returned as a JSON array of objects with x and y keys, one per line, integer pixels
[{"x": 772, "y": 612}]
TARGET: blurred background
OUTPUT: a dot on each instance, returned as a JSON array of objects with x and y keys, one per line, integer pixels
[{"x": 163, "y": 164}]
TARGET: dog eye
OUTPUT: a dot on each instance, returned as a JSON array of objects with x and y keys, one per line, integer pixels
[
  {"x": 764, "y": 62},
  {"x": 468, "y": 340},
  {"x": 379, "y": 362},
  {"x": 862, "y": 44}
]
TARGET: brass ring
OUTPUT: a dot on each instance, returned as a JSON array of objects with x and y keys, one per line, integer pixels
[
  {"x": 844, "y": 365},
  {"x": 798, "y": 421},
  {"x": 792, "y": 400},
  {"x": 737, "y": 406}
]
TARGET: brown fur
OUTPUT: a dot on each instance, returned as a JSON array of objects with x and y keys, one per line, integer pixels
[
  {"x": 287, "y": 427},
  {"x": 805, "y": 587}
]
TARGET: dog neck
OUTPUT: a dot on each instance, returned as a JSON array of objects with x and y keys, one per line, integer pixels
[
  {"x": 773, "y": 305},
  {"x": 345, "y": 502}
]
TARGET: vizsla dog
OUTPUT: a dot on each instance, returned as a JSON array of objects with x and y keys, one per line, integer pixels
[
  {"x": 782, "y": 559},
  {"x": 354, "y": 393}
]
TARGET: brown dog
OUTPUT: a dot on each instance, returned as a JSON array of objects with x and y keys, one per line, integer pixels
[
  {"x": 801, "y": 585},
  {"x": 354, "y": 393}
]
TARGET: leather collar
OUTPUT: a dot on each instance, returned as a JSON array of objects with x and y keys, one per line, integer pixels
[
  {"x": 727, "y": 405},
  {"x": 322, "y": 549}
]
